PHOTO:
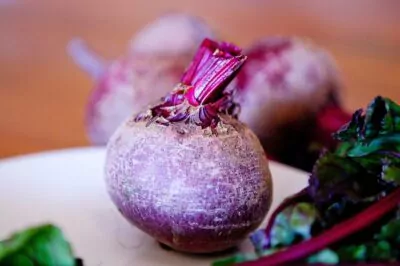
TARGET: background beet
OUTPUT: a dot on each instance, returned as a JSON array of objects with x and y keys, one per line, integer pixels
[
  {"x": 128, "y": 85},
  {"x": 284, "y": 85},
  {"x": 153, "y": 64}
]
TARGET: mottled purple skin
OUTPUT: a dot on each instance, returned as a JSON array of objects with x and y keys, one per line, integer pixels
[
  {"x": 284, "y": 84},
  {"x": 285, "y": 79},
  {"x": 128, "y": 85},
  {"x": 187, "y": 188}
]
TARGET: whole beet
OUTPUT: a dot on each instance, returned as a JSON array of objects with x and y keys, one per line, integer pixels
[
  {"x": 192, "y": 177},
  {"x": 140, "y": 77}
]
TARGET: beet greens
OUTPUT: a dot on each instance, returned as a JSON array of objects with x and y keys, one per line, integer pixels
[
  {"x": 349, "y": 211},
  {"x": 43, "y": 244}
]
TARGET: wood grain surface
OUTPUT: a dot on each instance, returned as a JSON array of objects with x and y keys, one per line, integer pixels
[{"x": 43, "y": 94}]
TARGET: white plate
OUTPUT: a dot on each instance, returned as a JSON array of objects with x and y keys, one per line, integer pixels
[{"x": 66, "y": 188}]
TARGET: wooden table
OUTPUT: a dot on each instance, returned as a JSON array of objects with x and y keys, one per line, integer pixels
[{"x": 43, "y": 94}]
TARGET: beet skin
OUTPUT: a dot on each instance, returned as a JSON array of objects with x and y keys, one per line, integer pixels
[{"x": 193, "y": 191}]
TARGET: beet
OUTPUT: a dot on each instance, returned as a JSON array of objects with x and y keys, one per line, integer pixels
[
  {"x": 185, "y": 171},
  {"x": 285, "y": 83},
  {"x": 149, "y": 69},
  {"x": 289, "y": 77}
]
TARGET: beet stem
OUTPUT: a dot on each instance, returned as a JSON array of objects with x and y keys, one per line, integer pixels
[
  {"x": 212, "y": 68},
  {"x": 200, "y": 96},
  {"x": 86, "y": 58},
  {"x": 338, "y": 232}
]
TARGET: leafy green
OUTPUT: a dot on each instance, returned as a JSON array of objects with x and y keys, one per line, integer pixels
[
  {"x": 341, "y": 186},
  {"x": 377, "y": 132},
  {"x": 42, "y": 245},
  {"x": 382, "y": 117},
  {"x": 326, "y": 256},
  {"x": 352, "y": 252},
  {"x": 383, "y": 246},
  {"x": 390, "y": 232},
  {"x": 234, "y": 259},
  {"x": 367, "y": 252},
  {"x": 391, "y": 173},
  {"x": 293, "y": 224},
  {"x": 335, "y": 176},
  {"x": 381, "y": 251},
  {"x": 364, "y": 169}
]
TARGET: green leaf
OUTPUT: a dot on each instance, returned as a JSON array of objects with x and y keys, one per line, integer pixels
[
  {"x": 42, "y": 245},
  {"x": 335, "y": 178},
  {"x": 352, "y": 253},
  {"x": 235, "y": 259},
  {"x": 361, "y": 171},
  {"x": 293, "y": 224},
  {"x": 374, "y": 250},
  {"x": 380, "y": 251},
  {"x": 381, "y": 118},
  {"x": 302, "y": 217},
  {"x": 387, "y": 143},
  {"x": 392, "y": 123},
  {"x": 270, "y": 251},
  {"x": 375, "y": 119},
  {"x": 350, "y": 131},
  {"x": 391, "y": 174},
  {"x": 390, "y": 232},
  {"x": 281, "y": 233},
  {"x": 326, "y": 256}
]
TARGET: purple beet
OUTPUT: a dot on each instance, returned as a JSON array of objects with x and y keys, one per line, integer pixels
[
  {"x": 149, "y": 69},
  {"x": 282, "y": 88},
  {"x": 184, "y": 170},
  {"x": 127, "y": 85}
]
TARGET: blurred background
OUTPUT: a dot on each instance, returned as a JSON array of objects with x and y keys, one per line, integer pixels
[{"x": 43, "y": 93}]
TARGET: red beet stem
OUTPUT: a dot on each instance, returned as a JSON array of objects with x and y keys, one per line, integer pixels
[
  {"x": 338, "y": 232},
  {"x": 86, "y": 58},
  {"x": 298, "y": 197},
  {"x": 213, "y": 67},
  {"x": 200, "y": 96}
]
